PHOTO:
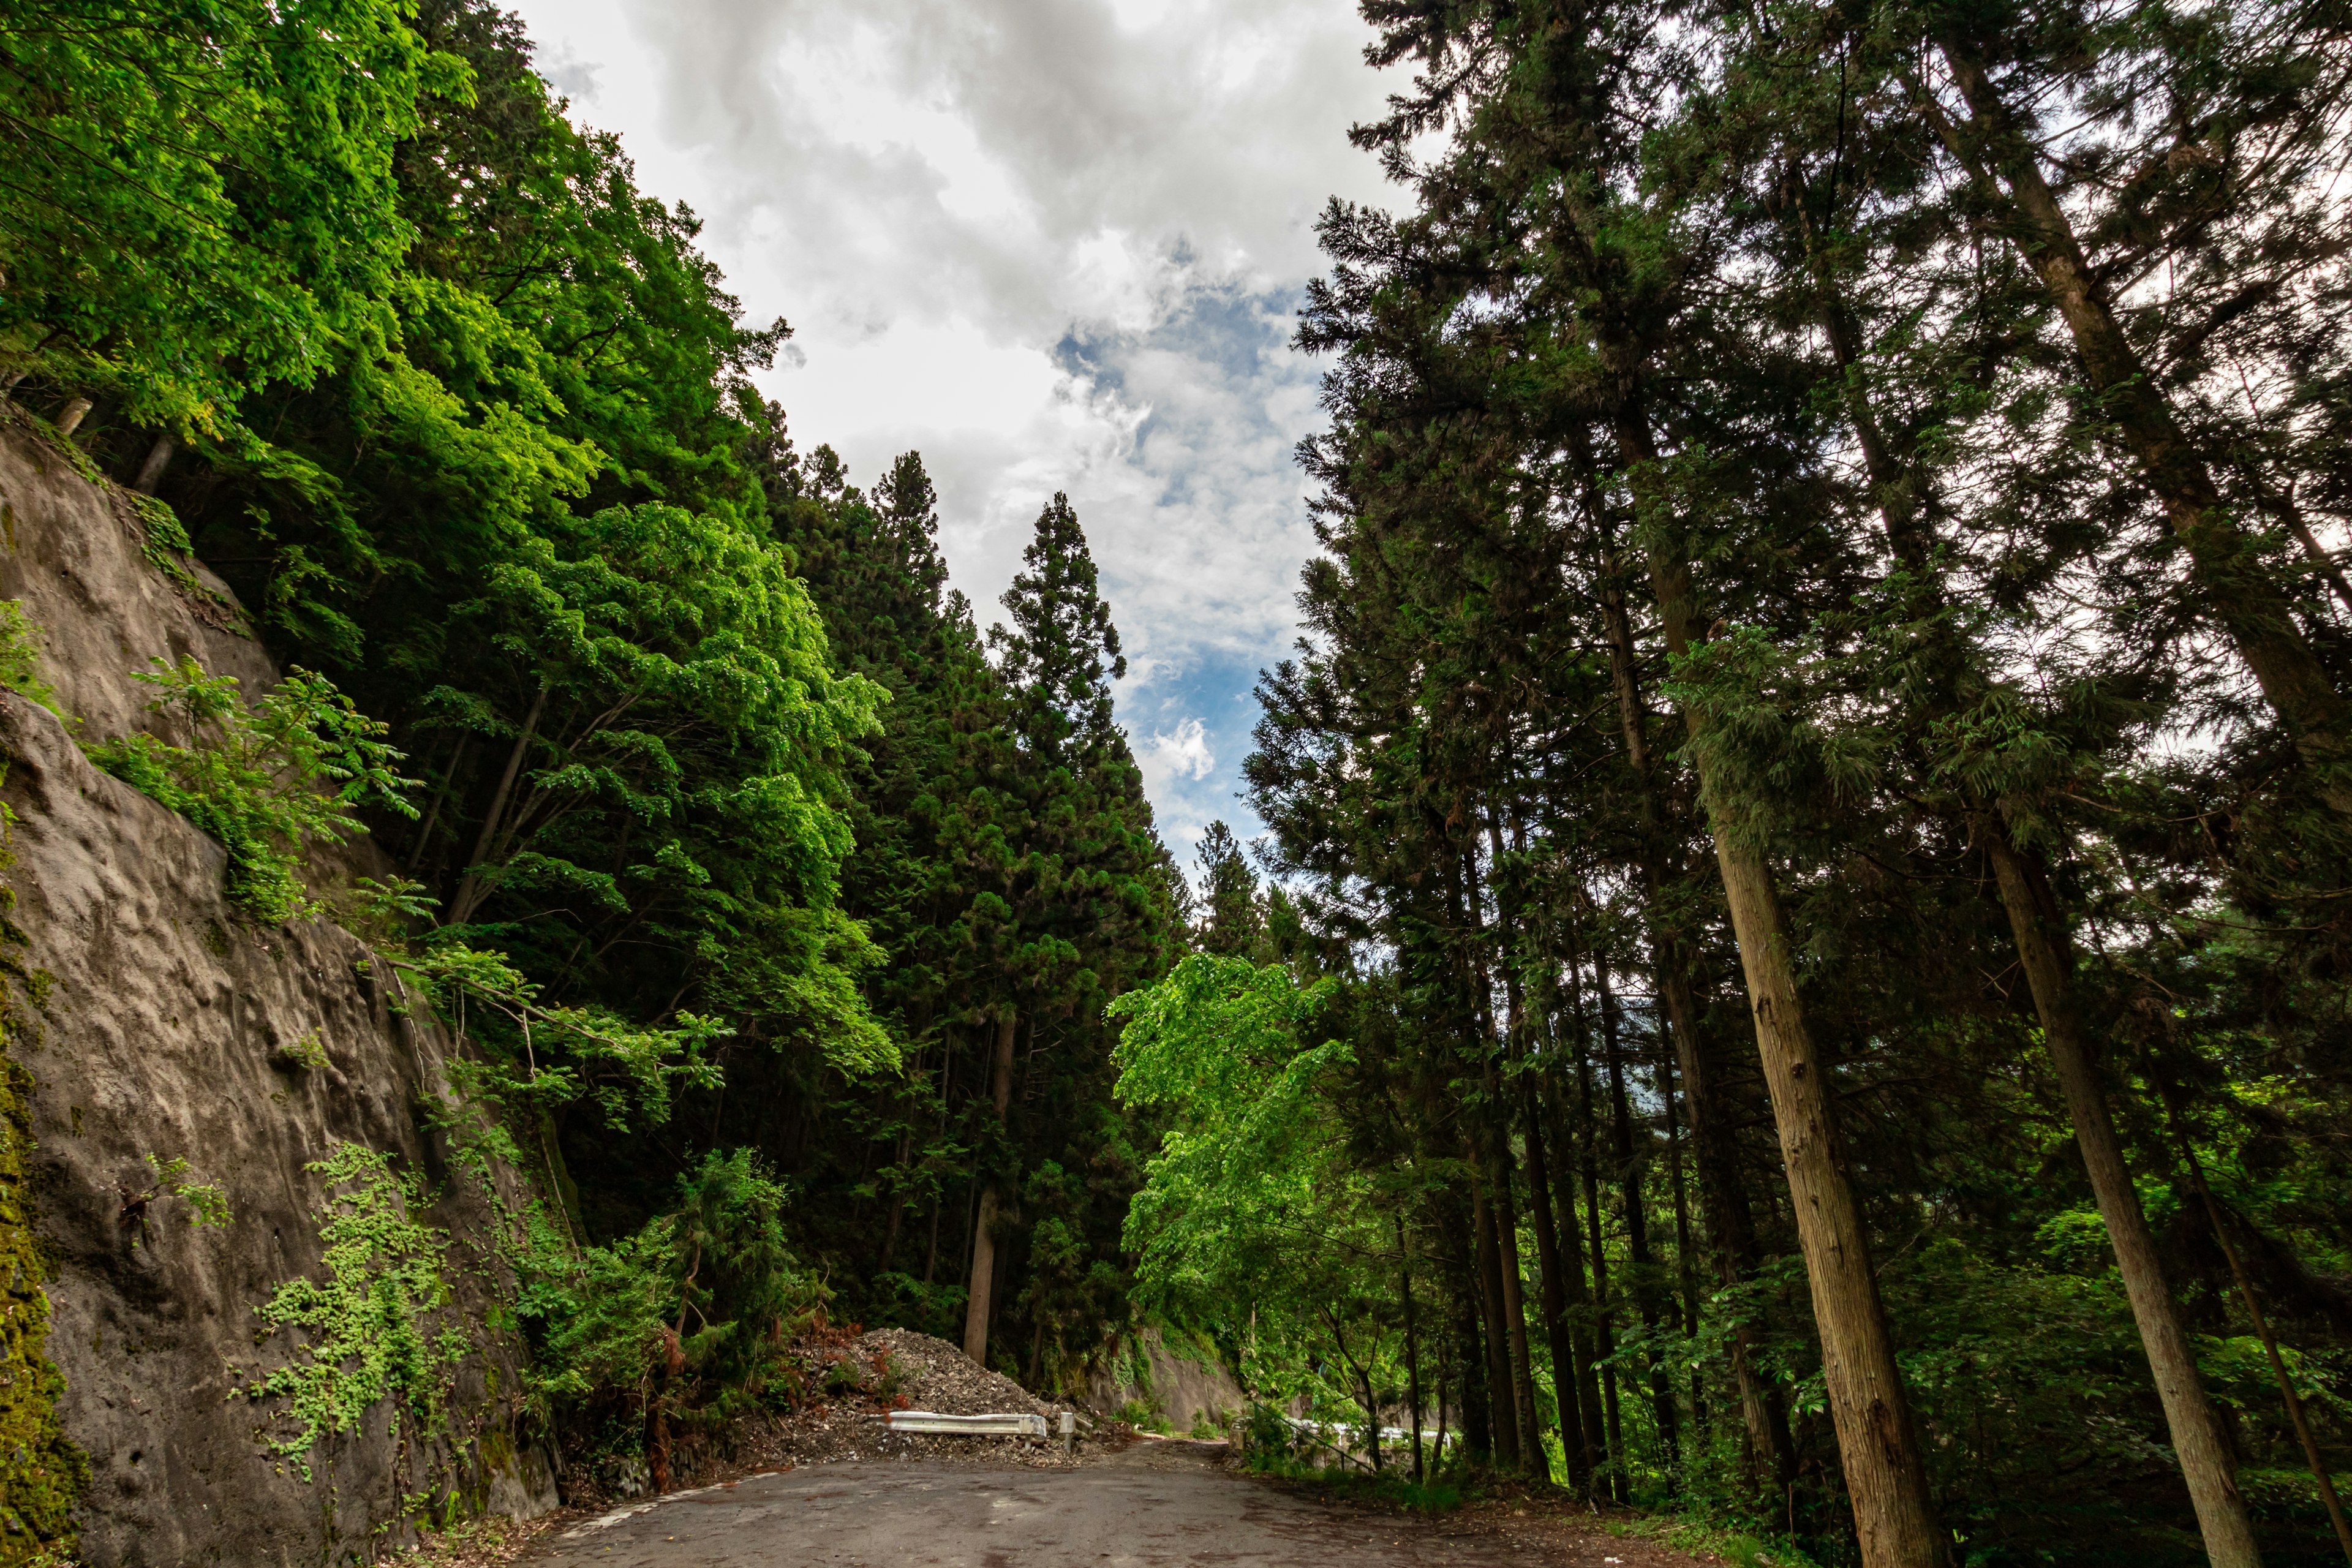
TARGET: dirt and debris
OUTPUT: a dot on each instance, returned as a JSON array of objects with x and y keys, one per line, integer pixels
[
  {"x": 850, "y": 1380},
  {"x": 845, "y": 1381}
]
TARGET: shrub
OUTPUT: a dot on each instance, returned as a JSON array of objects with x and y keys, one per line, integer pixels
[{"x": 264, "y": 780}]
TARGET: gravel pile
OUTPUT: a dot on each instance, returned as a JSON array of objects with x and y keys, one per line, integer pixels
[
  {"x": 935, "y": 1375},
  {"x": 925, "y": 1374}
]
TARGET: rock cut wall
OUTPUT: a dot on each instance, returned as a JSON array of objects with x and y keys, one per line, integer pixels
[{"x": 159, "y": 1024}]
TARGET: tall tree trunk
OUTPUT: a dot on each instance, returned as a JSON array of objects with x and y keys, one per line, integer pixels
[
  {"x": 1467, "y": 1348},
  {"x": 1557, "y": 1338},
  {"x": 1637, "y": 1220},
  {"x": 2287, "y": 1396},
  {"x": 1763, "y": 1412},
  {"x": 2198, "y": 1438},
  {"x": 1527, "y": 1435},
  {"x": 1685, "y": 1262},
  {"x": 1411, "y": 1345},
  {"x": 1502, "y": 1401},
  {"x": 983, "y": 1239},
  {"x": 1496, "y": 1147},
  {"x": 1588, "y": 1381},
  {"x": 1605, "y": 1335},
  {"x": 2225, "y": 562},
  {"x": 2044, "y": 952},
  {"x": 1886, "y": 1467}
]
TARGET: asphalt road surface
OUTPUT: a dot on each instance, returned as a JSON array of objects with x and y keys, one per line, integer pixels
[{"x": 1157, "y": 1505}]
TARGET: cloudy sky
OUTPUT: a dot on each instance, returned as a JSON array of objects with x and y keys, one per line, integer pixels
[{"x": 1052, "y": 245}]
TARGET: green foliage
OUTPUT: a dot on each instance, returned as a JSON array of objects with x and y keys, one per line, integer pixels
[
  {"x": 20, "y": 659},
  {"x": 729, "y": 832},
  {"x": 264, "y": 780},
  {"x": 208, "y": 1204},
  {"x": 376, "y": 1327},
  {"x": 619, "y": 1065},
  {"x": 687, "y": 1317},
  {"x": 1746, "y": 557},
  {"x": 1390, "y": 1488},
  {"x": 1227, "y": 1200},
  {"x": 203, "y": 203},
  {"x": 308, "y": 1053}
]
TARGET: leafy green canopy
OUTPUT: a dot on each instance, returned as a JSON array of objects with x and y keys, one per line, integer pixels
[
  {"x": 200, "y": 200},
  {"x": 1233, "y": 1202}
]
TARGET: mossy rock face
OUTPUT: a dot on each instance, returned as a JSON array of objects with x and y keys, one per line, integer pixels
[{"x": 42, "y": 1474}]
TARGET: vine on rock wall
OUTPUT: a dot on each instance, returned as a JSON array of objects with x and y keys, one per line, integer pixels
[{"x": 371, "y": 1321}]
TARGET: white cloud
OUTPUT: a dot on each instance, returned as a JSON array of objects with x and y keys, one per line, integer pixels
[
  {"x": 1181, "y": 753},
  {"x": 1052, "y": 244}
]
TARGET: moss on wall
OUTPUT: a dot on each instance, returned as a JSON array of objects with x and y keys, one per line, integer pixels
[{"x": 42, "y": 1474}]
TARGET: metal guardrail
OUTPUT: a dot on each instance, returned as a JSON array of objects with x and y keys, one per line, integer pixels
[{"x": 1019, "y": 1425}]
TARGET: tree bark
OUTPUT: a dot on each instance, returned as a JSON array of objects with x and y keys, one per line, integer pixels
[
  {"x": 1885, "y": 1470},
  {"x": 1763, "y": 1413},
  {"x": 1412, "y": 1346},
  {"x": 2198, "y": 1438},
  {"x": 1555, "y": 1298},
  {"x": 1527, "y": 1435},
  {"x": 1686, "y": 1268},
  {"x": 1604, "y": 1334},
  {"x": 151, "y": 472},
  {"x": 2287, "y": 1396},
  {"x": 2044, "y": 952},
  {"x": 983, "y": 1241},
  {"x": 1588, "y": 1381},
  {"x": 1886, "y": 1467},
  {"x": 1502, "y": 1406}
]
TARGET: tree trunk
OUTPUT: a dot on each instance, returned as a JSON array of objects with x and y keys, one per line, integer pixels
[
  {"x": 1555, "y": 1298},
  {"x": 1637, "y": 1221},
  {"x": 2234, "y": 586},
  {"x": 897, "y": 1200},
  {"x": 1412, "y": 1346},
  {"x": 1460, "y": 1347},
  {"x": 1885, "y": 1468},
  {"x": 1763, "y": 1413},
  {"x": 470, "y": 890},
  {"x": 2044, "y": 953},
  {"x": 1686, "y": 1267},
  {"x": 1529, "y": 1432},
  {"x": 151, "y": 472},
  {"x": 1502, "y": 1406},
  {"x": 1438, "y": 1450},
  {"x": 983, "y": 1241},
  {"x": 1604, "y": 1333},
  {"x": 2198, "y": 1438},
  {"x": 1588, "y": 1381}
]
